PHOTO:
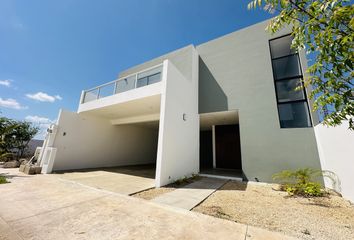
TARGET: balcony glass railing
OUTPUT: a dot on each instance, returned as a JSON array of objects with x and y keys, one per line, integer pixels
[{"x": 136, "y": 80}]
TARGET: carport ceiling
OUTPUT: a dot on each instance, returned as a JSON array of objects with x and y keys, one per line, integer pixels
[
  {"x": 207, "y": 120},
  {"x": 143, "y": 106}
]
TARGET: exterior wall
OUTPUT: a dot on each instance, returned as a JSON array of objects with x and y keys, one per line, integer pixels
[
  {"x": 91, "y": 142},
  {"x": 236, "y": 74},
  {"x": 178, "y": 147},
  {"x": 178, "y": 151},
  {"x": 181, "y": 59},
  {"x": 335, "y": 145}
]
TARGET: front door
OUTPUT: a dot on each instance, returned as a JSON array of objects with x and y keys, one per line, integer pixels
[{"x": 227, "y": 147}]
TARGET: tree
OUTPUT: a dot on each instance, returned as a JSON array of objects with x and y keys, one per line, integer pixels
[
  {"x": 325, "y": 30},
  {"x": 15, "y": 136}
]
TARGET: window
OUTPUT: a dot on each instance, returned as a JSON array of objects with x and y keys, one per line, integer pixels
[
  {"x": 292, "y": 104},
  {"x": 149, "y": 77}
]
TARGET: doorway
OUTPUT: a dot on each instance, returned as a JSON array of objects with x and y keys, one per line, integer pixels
[
  {"x": 227, "y": 147},
  {"x": 220, "y": 149}
]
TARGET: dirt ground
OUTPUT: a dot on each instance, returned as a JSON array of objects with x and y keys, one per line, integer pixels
[{"x": 330, "y": 217}]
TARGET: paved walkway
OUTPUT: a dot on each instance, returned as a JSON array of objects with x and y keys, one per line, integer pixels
[
  {"x": 124, "y": 180},
  {"x": 47, "y": 207},
  {"x": 191, "y": 195}
]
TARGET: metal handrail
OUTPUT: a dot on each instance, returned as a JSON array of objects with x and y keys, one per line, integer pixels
[{"x": 98, "y": 88}]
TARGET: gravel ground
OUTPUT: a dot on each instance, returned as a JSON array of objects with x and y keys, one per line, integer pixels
[
  {"x": 155, "y": 192},
  {"x": 330, "y": 217}
]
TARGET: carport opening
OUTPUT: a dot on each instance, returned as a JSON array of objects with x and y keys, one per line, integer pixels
[
  {"x": 220, "y": 148},
  {"x": 139, "y": 155}
]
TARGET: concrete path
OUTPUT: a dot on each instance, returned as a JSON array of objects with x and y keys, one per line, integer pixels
[
  {"x": 124, "y": 180},
  {"x": 191, "y": 195},
  {"x": 47, "y": 207}
]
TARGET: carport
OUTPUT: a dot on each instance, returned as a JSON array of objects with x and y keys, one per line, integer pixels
[{"x": 124, "y": 180}]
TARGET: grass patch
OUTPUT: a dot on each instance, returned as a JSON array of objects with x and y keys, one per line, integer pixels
[{"x": 3, "y": 180}]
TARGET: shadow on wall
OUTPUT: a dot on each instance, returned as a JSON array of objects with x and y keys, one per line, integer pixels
[{"x": 211, "y": 96}]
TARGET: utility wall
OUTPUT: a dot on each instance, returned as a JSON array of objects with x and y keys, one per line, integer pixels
[
  {"x": 235, "y": 73},
  {"x": 178, "y": 150},
  {"x": 89, "y": 142},
  {"x": 335, "y": 145}
]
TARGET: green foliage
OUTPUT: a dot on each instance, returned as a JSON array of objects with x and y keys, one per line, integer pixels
[
  {"x": 14, "y": 137},
  {"x": 3, "y": 180},
  {"x": 325, "y": 29},
  {"x": 300, "y": 182}
]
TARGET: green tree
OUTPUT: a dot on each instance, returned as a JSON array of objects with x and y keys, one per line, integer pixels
[
  {"x": 325, "y": 30},
  {"x": 15, "y": 136}
]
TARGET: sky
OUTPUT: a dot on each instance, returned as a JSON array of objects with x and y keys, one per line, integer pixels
[{"x": 52, "y": 50}]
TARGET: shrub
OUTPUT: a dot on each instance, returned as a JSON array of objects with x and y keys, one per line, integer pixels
[
  {"x": 3, "y": 180},
  {"x": 300, "y": 182}
]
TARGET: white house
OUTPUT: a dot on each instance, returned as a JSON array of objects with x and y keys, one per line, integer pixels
[{"x": 226, "y": 104}]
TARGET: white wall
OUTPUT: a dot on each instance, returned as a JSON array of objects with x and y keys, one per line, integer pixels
[
  {"x": 335, "y": 146},
  {"x": 94, "y": 142},
  {"x": 178, "y": 147},
  {"x": 236, "y": 74}
]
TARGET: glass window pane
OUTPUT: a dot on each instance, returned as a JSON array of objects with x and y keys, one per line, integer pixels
[
  {"x": 125, "y": 84},
  {"x": 286, "y": 90},
  {"x": 150, "y": 72},
  {"x": 154, "y": 78},
  {"x": 281, "y": 47},
  {"x": 286, "y": 67},
  {"x": 142, "y": 82},
  {"x": 107, "y": 90},
  {"x": 294, "y": 115},
  {"x": 90, "y": 95}
]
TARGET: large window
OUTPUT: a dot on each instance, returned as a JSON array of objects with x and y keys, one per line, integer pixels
[
  {"x": 149, "y": 77},
  {"x": 292, "y": 104}
]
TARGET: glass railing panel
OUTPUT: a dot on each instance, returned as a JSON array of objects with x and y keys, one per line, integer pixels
[
  {"x": 137, "y": 80},
  {"x": 106, "y": 90},
  {"x": 90, "y": 95},
  {"x": 126, "y": 84}
]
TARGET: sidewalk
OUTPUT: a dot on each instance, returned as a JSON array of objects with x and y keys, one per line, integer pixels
[
  {"x": 191, "y": 195},
  {"x": 46, "y": 207}
]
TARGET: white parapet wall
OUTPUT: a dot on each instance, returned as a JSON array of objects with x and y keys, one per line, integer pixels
[
  {"x": 87, "y": 142},
  {"x": 335, "y": 146},
  {"x": 178, "y": 146}
]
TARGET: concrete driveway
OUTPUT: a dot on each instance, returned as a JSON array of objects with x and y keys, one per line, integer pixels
[
  {"x": 48, "y": 207},
  {"x": 125, "y": 180}
]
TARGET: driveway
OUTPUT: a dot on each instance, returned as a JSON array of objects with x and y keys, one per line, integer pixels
[
  {"x": 125, "y": 180},
  {"x": 49, "y": 207}
]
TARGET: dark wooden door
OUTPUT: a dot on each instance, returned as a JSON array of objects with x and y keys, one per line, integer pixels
[{"x": 227, "y": 147}]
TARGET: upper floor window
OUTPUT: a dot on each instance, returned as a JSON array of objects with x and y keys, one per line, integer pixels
[{"x": 292, "y": 104}]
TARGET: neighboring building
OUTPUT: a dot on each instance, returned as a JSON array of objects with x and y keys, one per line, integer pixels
[{"x": 226, "y": 104}]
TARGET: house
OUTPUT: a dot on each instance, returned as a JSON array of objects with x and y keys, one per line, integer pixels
[{"x": 225, "y": 105}]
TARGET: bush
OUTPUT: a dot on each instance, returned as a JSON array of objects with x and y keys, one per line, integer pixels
[
  {"x": 300, "y": 182},
  {"x": 3, "y": 180}
]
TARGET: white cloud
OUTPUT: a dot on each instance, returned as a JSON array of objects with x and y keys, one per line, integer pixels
[
  {"x": 37, "y": 119},
  {"x": 6, "y": 82},
  {"x": 58, "y": 97},
  {"x": 43, "y": 97},
  {"x": 42, "y": 122},
  {"x": 11, "y": 103}
]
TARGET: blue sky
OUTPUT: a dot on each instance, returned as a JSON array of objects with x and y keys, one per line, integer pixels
[{"x": 51, "y": 50}]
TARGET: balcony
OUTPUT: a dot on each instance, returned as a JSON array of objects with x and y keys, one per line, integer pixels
[{"x": 137, "y": 80}]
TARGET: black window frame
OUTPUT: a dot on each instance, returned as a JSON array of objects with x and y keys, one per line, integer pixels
[{"x": 301, "y": 77}]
